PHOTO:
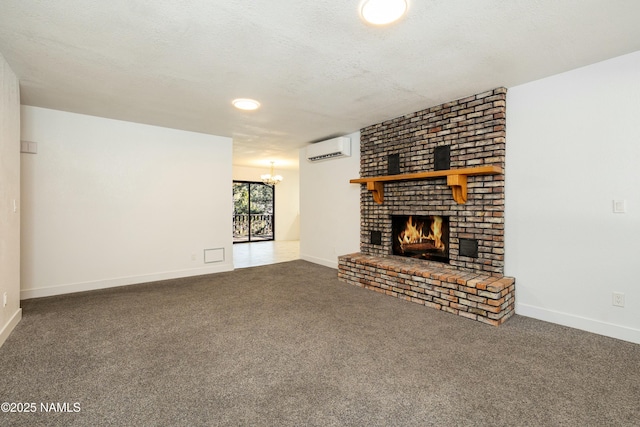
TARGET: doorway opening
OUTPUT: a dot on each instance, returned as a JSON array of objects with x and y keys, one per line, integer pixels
[{"x": 253, "y": 211}]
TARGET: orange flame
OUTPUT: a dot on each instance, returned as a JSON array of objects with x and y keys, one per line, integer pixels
[{"x": 413, "y": 233}]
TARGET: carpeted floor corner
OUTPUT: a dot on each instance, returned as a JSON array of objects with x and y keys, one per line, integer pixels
[{"x": 289, "y": 345}]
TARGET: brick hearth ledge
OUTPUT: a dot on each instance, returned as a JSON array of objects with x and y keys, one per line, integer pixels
[{"x": 485, "y": 298}]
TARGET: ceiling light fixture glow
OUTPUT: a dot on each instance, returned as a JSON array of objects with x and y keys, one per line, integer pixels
[
  {"x": 245, "y": 104},
  {"x": 382, "y": 12}
]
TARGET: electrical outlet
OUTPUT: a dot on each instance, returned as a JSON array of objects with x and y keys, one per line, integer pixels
[
  {"x": 4, "y": 299},
  {"x": 618, "y": 299}
]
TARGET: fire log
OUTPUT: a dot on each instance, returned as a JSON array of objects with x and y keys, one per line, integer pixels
[{"x": 417, "y": 247}]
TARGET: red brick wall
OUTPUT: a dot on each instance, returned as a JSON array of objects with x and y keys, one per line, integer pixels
[{"x": 474, "y": 129}]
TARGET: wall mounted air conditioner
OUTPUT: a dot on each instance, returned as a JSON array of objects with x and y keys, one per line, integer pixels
[{"x": 329, "y": 149}]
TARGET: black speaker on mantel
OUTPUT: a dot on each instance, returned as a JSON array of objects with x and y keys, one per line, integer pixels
[
  {"x": 393, "y": 164},
  {"x": 442, "y": 158}
]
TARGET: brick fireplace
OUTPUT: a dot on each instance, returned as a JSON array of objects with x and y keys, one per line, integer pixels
[{"x": 444, "y": 163}]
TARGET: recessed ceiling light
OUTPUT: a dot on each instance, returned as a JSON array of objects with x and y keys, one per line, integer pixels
[
  {"x": 245, "y": 104},
  {"x": 381, "y": 12}
]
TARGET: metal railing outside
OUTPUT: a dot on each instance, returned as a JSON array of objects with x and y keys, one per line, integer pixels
[{"x": 252, "y": 227}]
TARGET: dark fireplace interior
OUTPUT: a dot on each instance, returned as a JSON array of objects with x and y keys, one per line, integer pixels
[{"x": 422, "y": 237}]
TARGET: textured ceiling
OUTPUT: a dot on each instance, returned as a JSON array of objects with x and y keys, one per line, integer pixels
[{"x": 317, "y": 69}]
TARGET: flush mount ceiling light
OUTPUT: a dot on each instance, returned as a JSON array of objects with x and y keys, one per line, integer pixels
[
  {"x": 245, "y": 104},
  {"x": 382, "y": 12}
]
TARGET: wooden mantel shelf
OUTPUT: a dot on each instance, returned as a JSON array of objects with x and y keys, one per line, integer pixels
[{"x": 456, "y": 179}]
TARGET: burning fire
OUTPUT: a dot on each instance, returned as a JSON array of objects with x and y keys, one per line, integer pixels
[{"x": 413, "y": 234}]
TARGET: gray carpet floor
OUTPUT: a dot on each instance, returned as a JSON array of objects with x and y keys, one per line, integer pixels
[{"x": 289, "y": 345}]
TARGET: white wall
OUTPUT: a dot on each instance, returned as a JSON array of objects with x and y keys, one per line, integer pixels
[
  {"x": 573, "y": 146},
  {"x": 108, "y": 203},
  {"x": 10, "y": 313},
  {"x": 287, "y": 214},
  {"x": 330, "y": 207}
]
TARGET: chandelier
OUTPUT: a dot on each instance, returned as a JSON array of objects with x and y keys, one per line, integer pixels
[{"x": 270, "y": 178}]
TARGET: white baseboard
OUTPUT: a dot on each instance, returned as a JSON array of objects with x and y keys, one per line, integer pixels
[
  {"x": 9, "y": 327},
  {"x": 590, "y": 325},
  {"x": 321, "y": 261},
  {"x": 120, "y": 281}
]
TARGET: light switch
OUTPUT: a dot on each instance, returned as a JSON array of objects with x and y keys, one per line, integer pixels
[
  {"x": 28, "y": 147},
  {"x": 619, "y": 206}
]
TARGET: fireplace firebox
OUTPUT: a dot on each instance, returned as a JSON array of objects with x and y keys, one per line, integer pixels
[{"x": 422, "y": 237}]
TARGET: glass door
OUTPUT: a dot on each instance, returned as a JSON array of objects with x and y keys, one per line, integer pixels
[{"x": 253, "y": 211}]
